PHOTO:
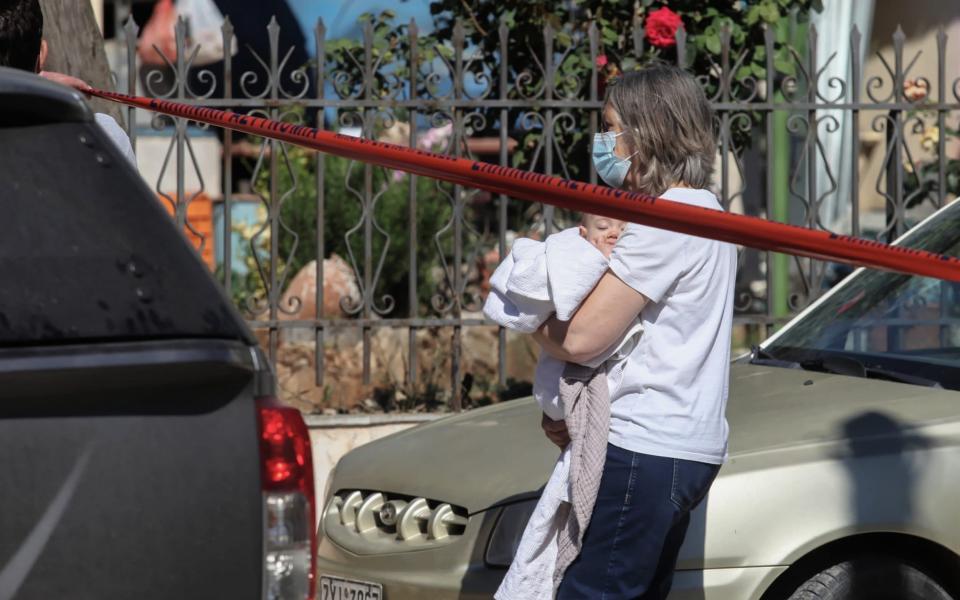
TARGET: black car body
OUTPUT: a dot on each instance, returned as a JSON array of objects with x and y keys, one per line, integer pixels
[{"x": 143, "y": 455}]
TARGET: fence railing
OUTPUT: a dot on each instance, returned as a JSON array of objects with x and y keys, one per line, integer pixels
[{"x": 414, "y": 254}]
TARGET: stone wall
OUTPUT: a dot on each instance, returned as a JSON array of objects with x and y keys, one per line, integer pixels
[{"x": 389, "y": 391}]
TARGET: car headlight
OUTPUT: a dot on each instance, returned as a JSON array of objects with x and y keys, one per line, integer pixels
[
  {"x": 507, "y": 533},
  {"x": 371, "y": 522}
]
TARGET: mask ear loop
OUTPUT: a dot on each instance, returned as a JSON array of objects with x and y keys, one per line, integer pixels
[
  {"x": 616, "y": 135},
  {"x": 635, "y": 153},
  {"x": 610, "y": 133},
  {"x": 632, "y": 155}
]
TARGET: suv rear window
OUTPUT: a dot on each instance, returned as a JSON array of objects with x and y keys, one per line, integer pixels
[{"x": 87, "y": 251}]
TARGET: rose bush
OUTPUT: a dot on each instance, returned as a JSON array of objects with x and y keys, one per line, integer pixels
[{"x": 619, "y": 48}]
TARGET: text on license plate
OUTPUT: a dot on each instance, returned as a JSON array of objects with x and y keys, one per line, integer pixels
[{"x": 335, "y": 588}]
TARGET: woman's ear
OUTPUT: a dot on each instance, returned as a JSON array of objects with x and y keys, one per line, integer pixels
[{"x": 42, "y": 59}]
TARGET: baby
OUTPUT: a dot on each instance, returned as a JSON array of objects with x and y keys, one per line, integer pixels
[
  {"x": 602, "y": 232},
  {"x": 540, "y": 279}
]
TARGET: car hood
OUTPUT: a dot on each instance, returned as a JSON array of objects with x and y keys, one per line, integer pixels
[
  {"x": 474, "y": 459},
  {"x": 781, "y": 415},
  {"x": 497, "y": 454}
]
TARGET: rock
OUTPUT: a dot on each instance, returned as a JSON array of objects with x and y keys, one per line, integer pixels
[
  {"x": 486, "y": 265},
  {"x": 479, "y": 351},
  {"x": 339, "y": 284},
  {"x": 398, "y": 133},
  {"x": 388, "y": 355}
]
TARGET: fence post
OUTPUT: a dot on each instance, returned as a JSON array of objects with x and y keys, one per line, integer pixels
[
  {"x": 778, "y": 175},
  {"x": 319, "y": 342},
  {"x": 502, "y": 200},
  {"x": 412, "y": 216}
]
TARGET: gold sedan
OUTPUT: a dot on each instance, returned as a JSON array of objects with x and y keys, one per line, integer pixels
[{"x": 843, "y": 481}]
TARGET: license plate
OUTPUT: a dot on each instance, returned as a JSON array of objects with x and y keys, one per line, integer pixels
[{"x": 335, "y": 588}]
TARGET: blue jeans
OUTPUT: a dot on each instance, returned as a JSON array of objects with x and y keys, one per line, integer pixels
[{"x": 637, "y": 527}]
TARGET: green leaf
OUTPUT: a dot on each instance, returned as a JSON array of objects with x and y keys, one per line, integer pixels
[
  {"x": 712, "y": 44},
  {"x": 784, "y": 66},
  {"x": 609, "y": 36},
  {"x": 770, "y": 13},
  {"x": 445, "y": 51},
  {"x": 738, "y": 36}
]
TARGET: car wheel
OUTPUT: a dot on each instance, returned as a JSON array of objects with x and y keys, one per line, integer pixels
[{"x": 874, "y": 578}]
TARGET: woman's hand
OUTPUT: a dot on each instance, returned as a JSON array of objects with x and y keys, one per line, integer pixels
[{"x": 556, "y": 431}]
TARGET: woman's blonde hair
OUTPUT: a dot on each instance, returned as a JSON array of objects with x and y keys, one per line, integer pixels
[{"x": 669, "y": 124}]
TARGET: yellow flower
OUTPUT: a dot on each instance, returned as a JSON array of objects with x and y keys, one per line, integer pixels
[{"x": 931, "y": 137}]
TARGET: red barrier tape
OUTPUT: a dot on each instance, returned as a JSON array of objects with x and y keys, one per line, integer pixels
[{"x": 628, "y": 206}]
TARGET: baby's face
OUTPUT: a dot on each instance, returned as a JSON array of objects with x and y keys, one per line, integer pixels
[{"x": 602, "y": 232}]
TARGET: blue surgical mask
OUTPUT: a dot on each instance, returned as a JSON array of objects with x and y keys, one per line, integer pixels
[{"x": 610, "y": 167}]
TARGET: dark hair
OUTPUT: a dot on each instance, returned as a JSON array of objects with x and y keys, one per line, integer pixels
[
  {"x": 669, "y": 124},
  {"x": 21, "y": 30}
]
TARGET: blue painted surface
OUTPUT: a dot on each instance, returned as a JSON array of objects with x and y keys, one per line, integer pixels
[
  {"x": 242, "y": 213},
  {"x": 340, "y": 17}
]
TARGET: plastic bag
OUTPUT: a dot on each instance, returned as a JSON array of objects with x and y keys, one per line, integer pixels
[{"x": 204, "y": 21}]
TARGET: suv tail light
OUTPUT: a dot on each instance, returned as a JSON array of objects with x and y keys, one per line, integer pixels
[{"x": 289, "y": 506}]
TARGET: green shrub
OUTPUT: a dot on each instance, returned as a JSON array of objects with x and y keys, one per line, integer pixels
[{"x": 344, "y": 227}]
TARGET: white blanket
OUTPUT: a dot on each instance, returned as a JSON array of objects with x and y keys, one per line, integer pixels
[
  {"x": 539, "y": 279},
  {"x": 533, "y": 282}
]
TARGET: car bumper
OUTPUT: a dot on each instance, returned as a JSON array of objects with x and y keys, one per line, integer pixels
[
  {"x": 417, "y": 582},
  {"x": 458, "y": 571},
  {"x": 452, "y": 571}
]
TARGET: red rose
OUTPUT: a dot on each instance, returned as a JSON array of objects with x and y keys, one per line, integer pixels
[
  {"x": 661, "y": 27},
  {"x": 601, "y": 61}
]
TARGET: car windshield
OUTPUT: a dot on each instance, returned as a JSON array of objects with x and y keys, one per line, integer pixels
[{"x": 899, "y": 325}]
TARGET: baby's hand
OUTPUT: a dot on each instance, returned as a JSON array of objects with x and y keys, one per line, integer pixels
[{"x": 556, "y": 431}]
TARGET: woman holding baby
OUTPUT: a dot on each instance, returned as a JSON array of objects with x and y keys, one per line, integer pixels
[{"x": 668, "y": 433}]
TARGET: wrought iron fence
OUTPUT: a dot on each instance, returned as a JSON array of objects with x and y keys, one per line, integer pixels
[{"x": 417, "y": 252}]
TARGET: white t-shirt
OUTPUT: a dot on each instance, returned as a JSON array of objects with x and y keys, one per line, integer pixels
[
  {"x": 117, "y": 135},
  {"x": 672, "y": 396}
]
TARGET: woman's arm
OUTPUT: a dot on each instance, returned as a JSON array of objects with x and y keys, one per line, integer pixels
[{"x": 599, "y": 322}]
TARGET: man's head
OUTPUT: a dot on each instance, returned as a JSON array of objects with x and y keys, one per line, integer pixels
[
  {"x": 602, "y": 232},
  {"x": 21, "y": 35}
]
